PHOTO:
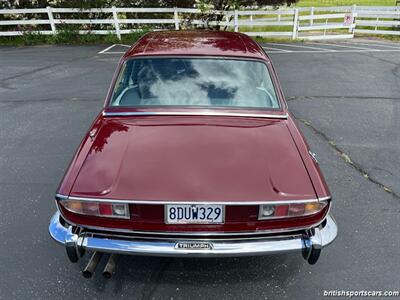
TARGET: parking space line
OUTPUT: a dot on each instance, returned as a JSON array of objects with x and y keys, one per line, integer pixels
[
  {"x": 277, "y": 49},
  {"x": 341, "y": 51},
  {"x": 108, "y": 48},
  {"x": 273, "y": 49},
  {"x": 343, "y": 46},
  {"x": 113, "y": 52},
  {"x": 298, "y": 46},
  {"x": 378, "y": 45}
]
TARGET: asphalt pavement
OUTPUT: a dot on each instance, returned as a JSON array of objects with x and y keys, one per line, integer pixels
[{"x": 347, "y": 102}]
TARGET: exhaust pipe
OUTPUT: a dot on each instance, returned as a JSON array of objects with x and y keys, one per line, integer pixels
[
  {"x": 92, "y": 264},
  {"x": 109, "y": 269}
]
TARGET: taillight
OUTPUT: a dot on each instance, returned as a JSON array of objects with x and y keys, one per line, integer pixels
[
  {"x": 98, "y": 209},
  {"x": 276, "y": 211}
]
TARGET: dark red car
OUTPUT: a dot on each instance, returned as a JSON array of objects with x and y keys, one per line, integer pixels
[{"x": 194, "y": 154}]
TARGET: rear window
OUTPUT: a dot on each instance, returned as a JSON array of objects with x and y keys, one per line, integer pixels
[{"x": 202, "y": 82}]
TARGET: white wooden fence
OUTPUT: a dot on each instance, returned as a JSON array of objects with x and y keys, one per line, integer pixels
[
  {"x": 305, "y": 23},
  {"x": 370, "y": 19},
  {"x": 379, "y": 22}
]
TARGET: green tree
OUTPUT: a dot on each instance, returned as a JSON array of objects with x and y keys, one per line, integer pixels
[
  {"x": 227, "y": 4},
  {"x": 208, "y": 7},
  {"x": 216, "y": 4}
]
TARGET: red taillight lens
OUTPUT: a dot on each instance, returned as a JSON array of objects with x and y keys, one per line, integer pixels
[
  {"x": 281, "y": 210},
  {"x": 276, "y": 211},
  {"x": 98, "y": 209},
  {"x": 105, "y": 209}
]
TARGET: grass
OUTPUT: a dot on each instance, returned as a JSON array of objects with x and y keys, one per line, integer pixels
[
  {"x": 266, "y": 28},
  {"x": 394, "y": 38},
  {"x": 261, "y": 39},
  {"x": 318, "y": 3}
]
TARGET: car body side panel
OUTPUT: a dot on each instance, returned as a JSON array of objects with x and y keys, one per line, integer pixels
[{"x": 78, "y": 159}]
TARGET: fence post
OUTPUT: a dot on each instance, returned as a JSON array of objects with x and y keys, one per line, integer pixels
[
  {"x": 176, "y": 18},
  {"x": 353, "y": 13},
  {"x": 353, "y": 25},
  {"x": 235, "y": 21},
  {"x": 295, "y": 24},
  {"x": 51, "y": 19},
  {"x": 312, "y": 15},
  {"x": 116, "y": 23}
]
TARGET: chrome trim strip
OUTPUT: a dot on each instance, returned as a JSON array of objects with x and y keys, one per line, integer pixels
[
  {"x": 61, "y": 197},
  {"x": 269, "y": 245},
  {"x": 192, "y": 113},
  {"x": 327, "y": 198},
  {"x": 158, "y": 202},
  {"x": 313, "y": 156},
  {"x": 190, "y": 236}
]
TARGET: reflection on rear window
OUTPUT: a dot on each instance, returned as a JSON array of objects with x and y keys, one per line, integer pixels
[{"x": 201, "y": 82}]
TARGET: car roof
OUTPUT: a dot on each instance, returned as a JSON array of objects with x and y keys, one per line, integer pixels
[{"x": 195, "y": 43}]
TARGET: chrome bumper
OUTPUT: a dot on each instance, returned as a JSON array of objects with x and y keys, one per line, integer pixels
[{"x": 309, "y": 243}]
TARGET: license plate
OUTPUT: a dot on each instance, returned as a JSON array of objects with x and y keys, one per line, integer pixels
[{"x": 194, "y": 214}]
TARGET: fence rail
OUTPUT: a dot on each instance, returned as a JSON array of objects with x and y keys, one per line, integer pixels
[{"x": 305, "y": 22}]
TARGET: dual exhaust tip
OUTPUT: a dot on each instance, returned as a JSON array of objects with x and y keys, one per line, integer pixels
[{"x": 109, "y": 269}]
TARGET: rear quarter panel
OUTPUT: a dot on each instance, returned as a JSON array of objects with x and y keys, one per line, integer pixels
[{"x": 314, "y": 170}]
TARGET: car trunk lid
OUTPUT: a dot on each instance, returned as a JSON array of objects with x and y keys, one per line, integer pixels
[{"x": 193, "y": 158}]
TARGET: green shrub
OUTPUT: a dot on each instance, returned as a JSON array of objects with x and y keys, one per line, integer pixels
[
  {"x": 110, "y": 38},
  {"x": 65, "y": 35},
  {"x": 88, "y": 38},
  {"x": 30, "y": 38}
]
